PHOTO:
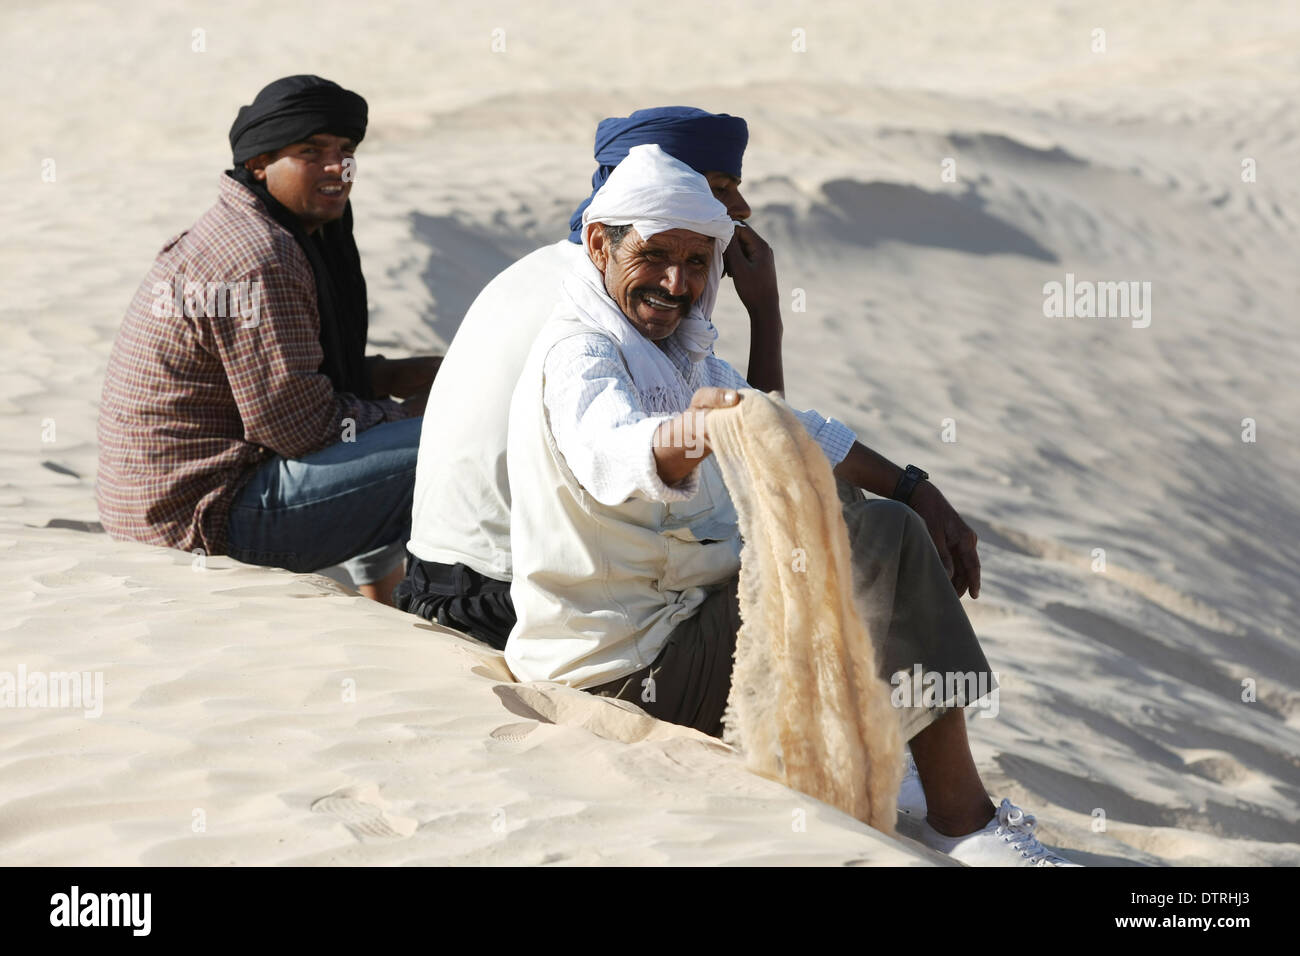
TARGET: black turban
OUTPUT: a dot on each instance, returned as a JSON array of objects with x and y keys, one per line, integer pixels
[
  {"x": 289, "y": 110},
  {"x": 285, "y": 112}
]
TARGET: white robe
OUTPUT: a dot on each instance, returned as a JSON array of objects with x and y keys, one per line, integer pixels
[{"x": 461, "y": 512}]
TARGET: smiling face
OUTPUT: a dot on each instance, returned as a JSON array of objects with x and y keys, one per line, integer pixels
[
  {"x": 653, "y": 281},
  {"x": 307, "y": 177}
]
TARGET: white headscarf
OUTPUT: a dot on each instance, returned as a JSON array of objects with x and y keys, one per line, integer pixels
[{"x": 653, "y": 192}]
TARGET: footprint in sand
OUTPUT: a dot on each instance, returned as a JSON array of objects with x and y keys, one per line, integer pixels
[
  {"x": 362, "y": 811},
  {"x": 493, "y": 667},
  {"x": 1221, "y": 768},
  {"x": 513, "y": 733}
]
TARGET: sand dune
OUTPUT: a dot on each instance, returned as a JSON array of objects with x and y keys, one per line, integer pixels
[
  {"x": 1121, "y": 688},
  {"x": 254, "y": 716}
]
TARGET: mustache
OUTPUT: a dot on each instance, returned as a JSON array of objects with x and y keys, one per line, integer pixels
[{"x": 682, "y": 301}]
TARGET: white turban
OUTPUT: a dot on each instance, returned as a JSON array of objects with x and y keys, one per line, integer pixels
[{"x": 653, "y": 193}]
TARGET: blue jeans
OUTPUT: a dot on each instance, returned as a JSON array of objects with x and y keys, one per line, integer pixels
[{"x": 347, "y": 504}]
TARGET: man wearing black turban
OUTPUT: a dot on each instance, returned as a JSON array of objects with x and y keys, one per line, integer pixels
[
  {"x": 272, "y": 439},
  {"x": 311, "y": 202}
]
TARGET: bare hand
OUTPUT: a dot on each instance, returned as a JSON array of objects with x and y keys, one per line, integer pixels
[
  {"x": 416, "y": 403},
  {"x": 752, "y": 267},
  {"x": 403, "y": 378},
  {"x": 952, "y": 537},
  {"x": 681, "y": 442},
  {"x": 702, "y": 402}
]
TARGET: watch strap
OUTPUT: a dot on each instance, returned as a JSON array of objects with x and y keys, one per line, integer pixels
[{"x": 911, "y": 477}]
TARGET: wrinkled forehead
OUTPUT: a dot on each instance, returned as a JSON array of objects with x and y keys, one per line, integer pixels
[{"x": 682, "y": 241}]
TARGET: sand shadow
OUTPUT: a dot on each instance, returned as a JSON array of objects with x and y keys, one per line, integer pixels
[
  {"x": 462, "y": 260},
  {"x": 868, "y": 214}
]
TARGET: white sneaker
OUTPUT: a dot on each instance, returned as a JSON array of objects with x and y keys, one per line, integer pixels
[
  {"x": 911, "y": 798},
  {"x": 1007, "y": 840}
]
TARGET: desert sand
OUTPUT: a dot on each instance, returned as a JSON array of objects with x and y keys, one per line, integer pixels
[{"x": 922, "y": 171}]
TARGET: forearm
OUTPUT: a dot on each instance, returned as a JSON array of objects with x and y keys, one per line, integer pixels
[
  {"x": 402, "y": 378},
  {"x": 679, "y": 446},
  {"x": 766, "y": 368},
  {"x": 368, "y": 412},
  {"x": 374, "y": 365},
  {"x": 868, "y": 470},
  {"x": 296, "y": 421}
]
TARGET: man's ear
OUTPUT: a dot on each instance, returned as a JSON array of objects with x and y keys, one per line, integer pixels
[
  {"x": 257, "y": 166},
  {"x": 598, "y": 245}
]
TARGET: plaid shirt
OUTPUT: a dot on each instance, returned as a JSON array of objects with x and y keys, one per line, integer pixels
[{"x": 196, "y": 398}]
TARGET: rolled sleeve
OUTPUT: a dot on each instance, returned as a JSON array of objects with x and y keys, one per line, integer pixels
[{"x": 834, "y": 437}]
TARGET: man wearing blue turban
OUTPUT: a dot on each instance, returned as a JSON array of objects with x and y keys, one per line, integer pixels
[
  {"x": 460, "y": 567},
  {"x": 462, "y": 564},
  {"x": 709, "y": 143}
]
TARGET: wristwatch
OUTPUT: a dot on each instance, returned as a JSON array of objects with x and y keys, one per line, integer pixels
[{"x": 912, "y": 476}]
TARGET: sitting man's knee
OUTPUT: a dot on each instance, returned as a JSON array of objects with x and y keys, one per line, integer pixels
[
  {"x": 879, "y": 512},
  {"x": 880, "y": 526}
]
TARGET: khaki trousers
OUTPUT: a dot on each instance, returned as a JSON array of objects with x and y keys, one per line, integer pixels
[{"x": 908, "y": 604}]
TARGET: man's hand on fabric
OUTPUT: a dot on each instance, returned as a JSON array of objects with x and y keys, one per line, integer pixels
[
  {"x": 403, "y": 378},
  {"x": 952, "y": 537},
  {"x": 702, "y": 402},
  {"x": 681, "y": 442}
]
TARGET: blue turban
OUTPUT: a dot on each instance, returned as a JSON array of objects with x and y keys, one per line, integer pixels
[{"x": 703, "y": 141}]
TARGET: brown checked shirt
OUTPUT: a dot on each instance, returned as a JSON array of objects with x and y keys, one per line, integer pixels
[{"x": 213, "y": 372}]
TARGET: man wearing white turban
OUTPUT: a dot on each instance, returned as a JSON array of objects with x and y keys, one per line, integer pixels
[{"x": 625, "y": 541}]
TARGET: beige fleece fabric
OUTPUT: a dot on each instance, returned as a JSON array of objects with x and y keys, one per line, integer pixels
[{"x": 806, "y": 705}]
